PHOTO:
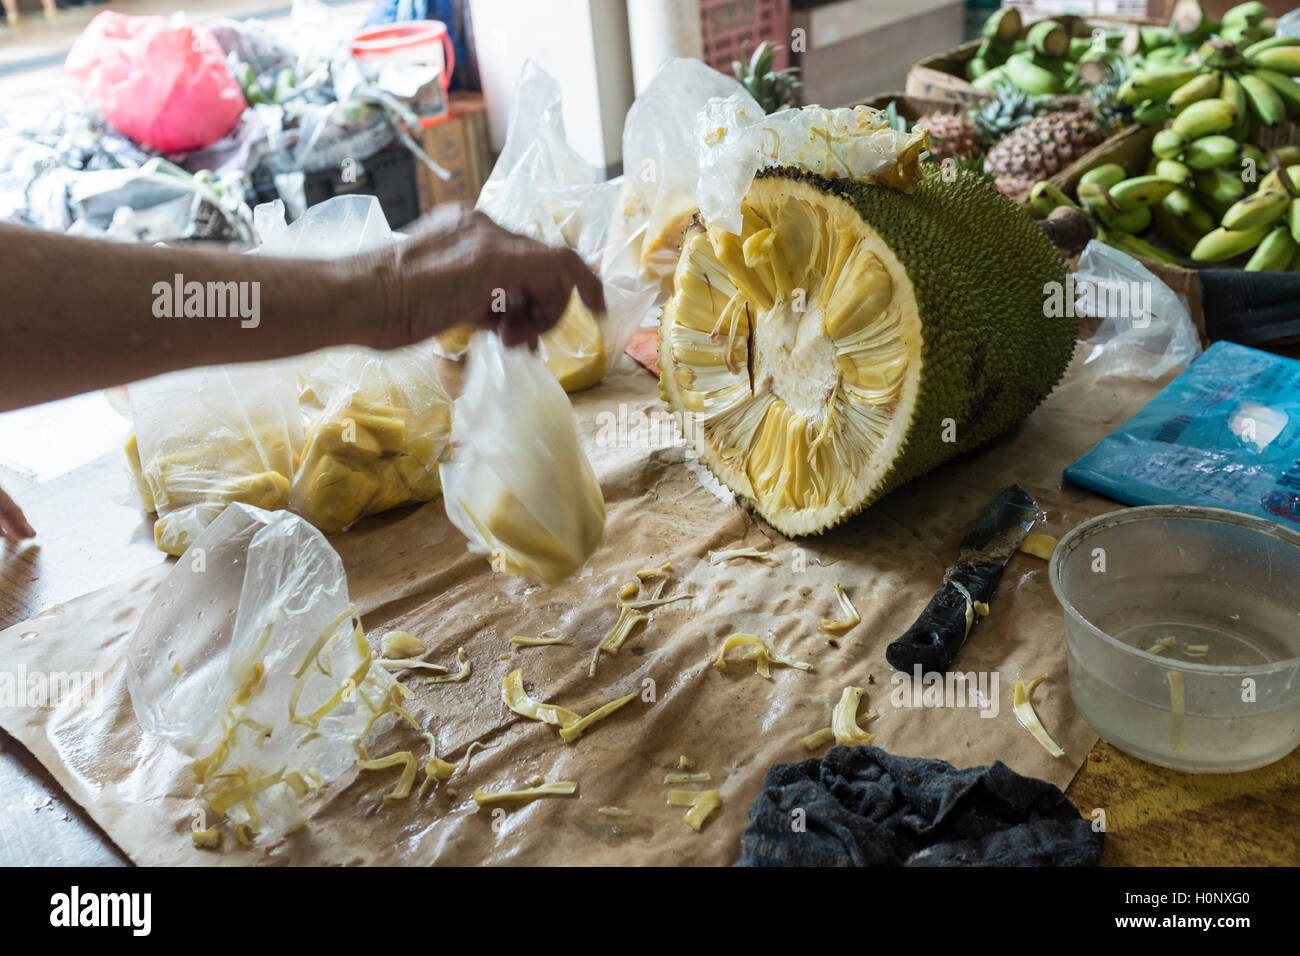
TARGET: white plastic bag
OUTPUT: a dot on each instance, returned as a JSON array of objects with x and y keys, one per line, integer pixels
[
  {"x": 661, "y": 155},
  {"x": 211, "y": 436},
  {"x": 251, "y": 660},
  {"x": 1146, "y": 330},
  {"x": 375, "y": 427},
  {"x": 543, "y": 188},
  {"x": 518, "y": 483},
  {"x": 736, "y": 140}
]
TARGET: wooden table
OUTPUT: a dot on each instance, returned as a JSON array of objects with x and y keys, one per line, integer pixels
[{"x": 91, "y": 536}]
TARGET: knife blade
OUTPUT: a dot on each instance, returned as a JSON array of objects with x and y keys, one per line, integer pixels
[{"x": 936, "y": 637}]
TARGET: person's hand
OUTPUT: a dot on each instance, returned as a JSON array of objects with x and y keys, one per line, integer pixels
[
  {"x": 458, "y": 266},
  {"x": 13, "y": 523}
]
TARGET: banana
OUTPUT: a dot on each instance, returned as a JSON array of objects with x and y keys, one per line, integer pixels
[
  {"x": 1174, "y": 230},
  {"x": 1285, "y": 87},
  {"x": 1151, "y": 112},
  {"x": 1287, "y": 155},
  {"x": 1034, "y": 79},
  {"x": 1294, "y": 221},
  {"x": 1274, "y": 252},
  {"x": 1211, "y": 151},
  {"x": 1201, "y": 87},
  {"x": 1141, "y": 191},
  {"x": 1107, "y": 174},
  {"x": 1174, "y": 171},
  {"x": 1265, "y": 102},
  {"x": 1045, "y": 197},
  {"x": 1219, "y": 186},
  {"x": 1284, "y": 59},
  {"x": 1274, "y": 179},
  {"x": 1048, "y": 38},
  {"x": 1098, "y": 202},
  {"x": 1259, "y": 209},
  {"x": 1133, "y": 221},
  {"x": 1249, "y": 14},
  {"x": 1168, "y": 144},
  {"x": 1275, "y": 41},
  {"x": 1231, "y": 91},
  {"x": 1155, "y": 84},
  {"x": 1203, "y": 118},
  {"x": 1221, "y": 244},
  {"x": 1135, "y": 246},
  {"x": 1184, "y": 206}
]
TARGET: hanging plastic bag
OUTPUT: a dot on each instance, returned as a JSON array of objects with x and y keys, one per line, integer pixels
[
  {"x": 735, "y": 140},
  {"x": 661, "y": 157},
  {"x": 543, "y": 188},
  {"x": 518, "y": 483},
  {"x": 208, "y": 437},
  {"x": 376, "y": 426},
  {"x": 165, "y": 85},
  {"x": 1146, "y": 330},
  {"x": 251, "y": 660}
]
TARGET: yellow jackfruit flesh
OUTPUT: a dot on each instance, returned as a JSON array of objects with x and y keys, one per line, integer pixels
[
  {"x": 854, "y": 336},
  {"x": 369, "y": 456},
  {"x": 573, "y": 349}
]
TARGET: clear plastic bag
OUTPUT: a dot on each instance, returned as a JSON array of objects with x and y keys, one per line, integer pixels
[
  {"x": 518, "y": 483},
  {"x": 211, "y": 436},
  {"x": 1146, "y": 330},
  {"x": 736, "y": 140},
  {"x": 661, "y": 156},
  {"x": 543, "y": 188},
  {"x": 251, "y": 660},
  {"x": 375, "y": 427}
]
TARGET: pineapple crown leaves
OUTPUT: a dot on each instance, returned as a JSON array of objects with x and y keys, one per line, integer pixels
[
  {"x": 774, "y": 90},
  {"x": 1008, "y": 109},
  {"x": 1111, "y": 112}
]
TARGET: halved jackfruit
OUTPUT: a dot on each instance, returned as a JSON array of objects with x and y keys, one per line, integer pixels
[{"x": 854, "y": 336}]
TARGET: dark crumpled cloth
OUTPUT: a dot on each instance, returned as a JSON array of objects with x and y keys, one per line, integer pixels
[{"x": 862, "y": 806}]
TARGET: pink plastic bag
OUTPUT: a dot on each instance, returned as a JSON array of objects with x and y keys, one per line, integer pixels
[{"x": 163, "y": 85}]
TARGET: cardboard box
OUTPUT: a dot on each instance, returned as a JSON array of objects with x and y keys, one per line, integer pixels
[{"x": 459, "y": 143}]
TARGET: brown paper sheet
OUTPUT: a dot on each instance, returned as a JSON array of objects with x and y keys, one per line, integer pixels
[{"x": 409, "y": 569}]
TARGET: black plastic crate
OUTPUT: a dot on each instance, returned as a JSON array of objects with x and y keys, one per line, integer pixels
[{"x": 388, "y": 175}]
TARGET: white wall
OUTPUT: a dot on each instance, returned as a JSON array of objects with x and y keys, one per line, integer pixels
[{"x": 582, "y": 43}]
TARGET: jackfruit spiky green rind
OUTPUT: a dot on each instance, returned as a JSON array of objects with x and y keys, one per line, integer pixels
[{"x": 983, "y": 273}]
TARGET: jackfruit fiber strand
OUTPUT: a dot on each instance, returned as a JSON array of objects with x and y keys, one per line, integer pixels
[
  {"x": 543, "y": 188},
  {"x": 518, "y": 484},
  {"x": 735, "y": 141},
  {"x": 214, "y": 663}
]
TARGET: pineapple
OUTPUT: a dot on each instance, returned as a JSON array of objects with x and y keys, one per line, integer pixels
[
  {"x": 1009, "y": 108},
  {"x": 952, "y": 135},
  {"x": 774, "y": 90},
  {"x": 1041, "y": 148}
]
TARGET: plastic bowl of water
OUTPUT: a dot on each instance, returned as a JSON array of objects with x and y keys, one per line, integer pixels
[{"x": 1183, "y": 631}]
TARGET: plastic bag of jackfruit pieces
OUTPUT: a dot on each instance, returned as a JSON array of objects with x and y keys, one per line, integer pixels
[
  {"x": 208, "y": 437},
  {"x": 250, "y": 659},
  {"x": 661, "y": 158},
  {"x": 518, "y": 483},
  {"x": 542, "y": 187},
  {"x": 735, "y": 141},
  {"x": 375, "y": 427}
]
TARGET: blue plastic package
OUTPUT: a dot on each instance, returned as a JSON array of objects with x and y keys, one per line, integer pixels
[{"x": 1223, "y": 434}]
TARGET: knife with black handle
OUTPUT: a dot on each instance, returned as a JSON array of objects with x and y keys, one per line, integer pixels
[{"x": 939, "y": 633}]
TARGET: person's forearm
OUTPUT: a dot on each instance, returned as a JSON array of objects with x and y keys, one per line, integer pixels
[{"x": 80, "y": 314}]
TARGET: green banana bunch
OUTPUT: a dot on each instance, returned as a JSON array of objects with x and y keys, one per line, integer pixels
[{"x": 1266, "y": 221}]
